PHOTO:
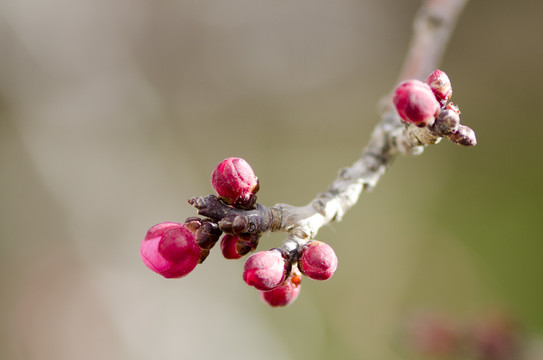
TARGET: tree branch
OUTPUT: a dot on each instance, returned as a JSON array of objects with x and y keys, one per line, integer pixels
[{"x": 432, "y": 28}]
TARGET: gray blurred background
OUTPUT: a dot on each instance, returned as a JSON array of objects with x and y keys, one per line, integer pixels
[{"x": 114, "y": 112}]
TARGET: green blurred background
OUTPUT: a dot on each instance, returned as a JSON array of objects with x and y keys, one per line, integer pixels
[{"x": 113, "y": 113}]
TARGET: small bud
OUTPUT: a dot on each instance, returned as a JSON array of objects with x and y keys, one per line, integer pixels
[
  {"x": 446, "y": 123},
  {"x": 318, "y": 260},
  {"x": 441, "y": 86},
  {"x": 170, "y": 249},
  {"x": 464, "y": 136},
  {"x": 451, "y": 106},
  {"x": 228, "y": 247},
  {"x": 208, "y": 234},
  {"x": 415, "y": 103},
  {"x": 235, "y": 224},
  {"x": 284, "y": 294},
  {"x": 235, "y": 182},
  {"x": 265, "y": 270}
]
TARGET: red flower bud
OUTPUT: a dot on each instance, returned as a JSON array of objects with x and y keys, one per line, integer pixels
[
  {"x": 234, "y": 180},
  {"x": 170, "y": 249},
  {"x": 265, "y": 270},
  {"x": 318, "y": 260},
  {"x": 228, "y": 247},
  {"x": 415, "y": 103},
  {"x": 284, "y": 294},
  {"x": 441, "y": 86}
]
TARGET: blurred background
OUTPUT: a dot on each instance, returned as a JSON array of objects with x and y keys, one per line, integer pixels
[{"x": 113, "y": 113}]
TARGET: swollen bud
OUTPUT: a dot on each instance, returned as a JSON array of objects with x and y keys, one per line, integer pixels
[
  {"x": 284, "y": 294},
  {"x": 464, "y": 136},
  {"x": 416, "y": 103},
  {"x": 318, "y": 260},
  {"x": 446, "y": 123},
  {"x": 441, "y": 86},
  {"x": 170, "y": 249},
  {"x": 235, "y": 182},
  {"x": 265, "y": 270}
]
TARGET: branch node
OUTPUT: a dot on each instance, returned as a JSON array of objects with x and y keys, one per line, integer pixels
[{"x": 421, "y": 135}]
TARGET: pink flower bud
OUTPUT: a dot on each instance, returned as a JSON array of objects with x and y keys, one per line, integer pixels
[
  {"x": 441, "y": 86},
  {"x": 234, "y": 180},
  {"x": 415, "y": 103},
  {"x": 284, "y": 294},
  {"x": 228, "y": 247},
  {"x": 318, "y": 261},
  {"x": 265, "y": 270},
  {"x": 170, "y": 249}
]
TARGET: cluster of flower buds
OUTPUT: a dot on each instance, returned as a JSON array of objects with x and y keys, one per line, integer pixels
[
  {"x": 425, "y": 105},
  {"x": 173, "y": 250}
]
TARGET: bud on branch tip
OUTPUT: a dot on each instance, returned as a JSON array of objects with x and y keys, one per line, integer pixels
[{"x": 235, "y": 182}]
